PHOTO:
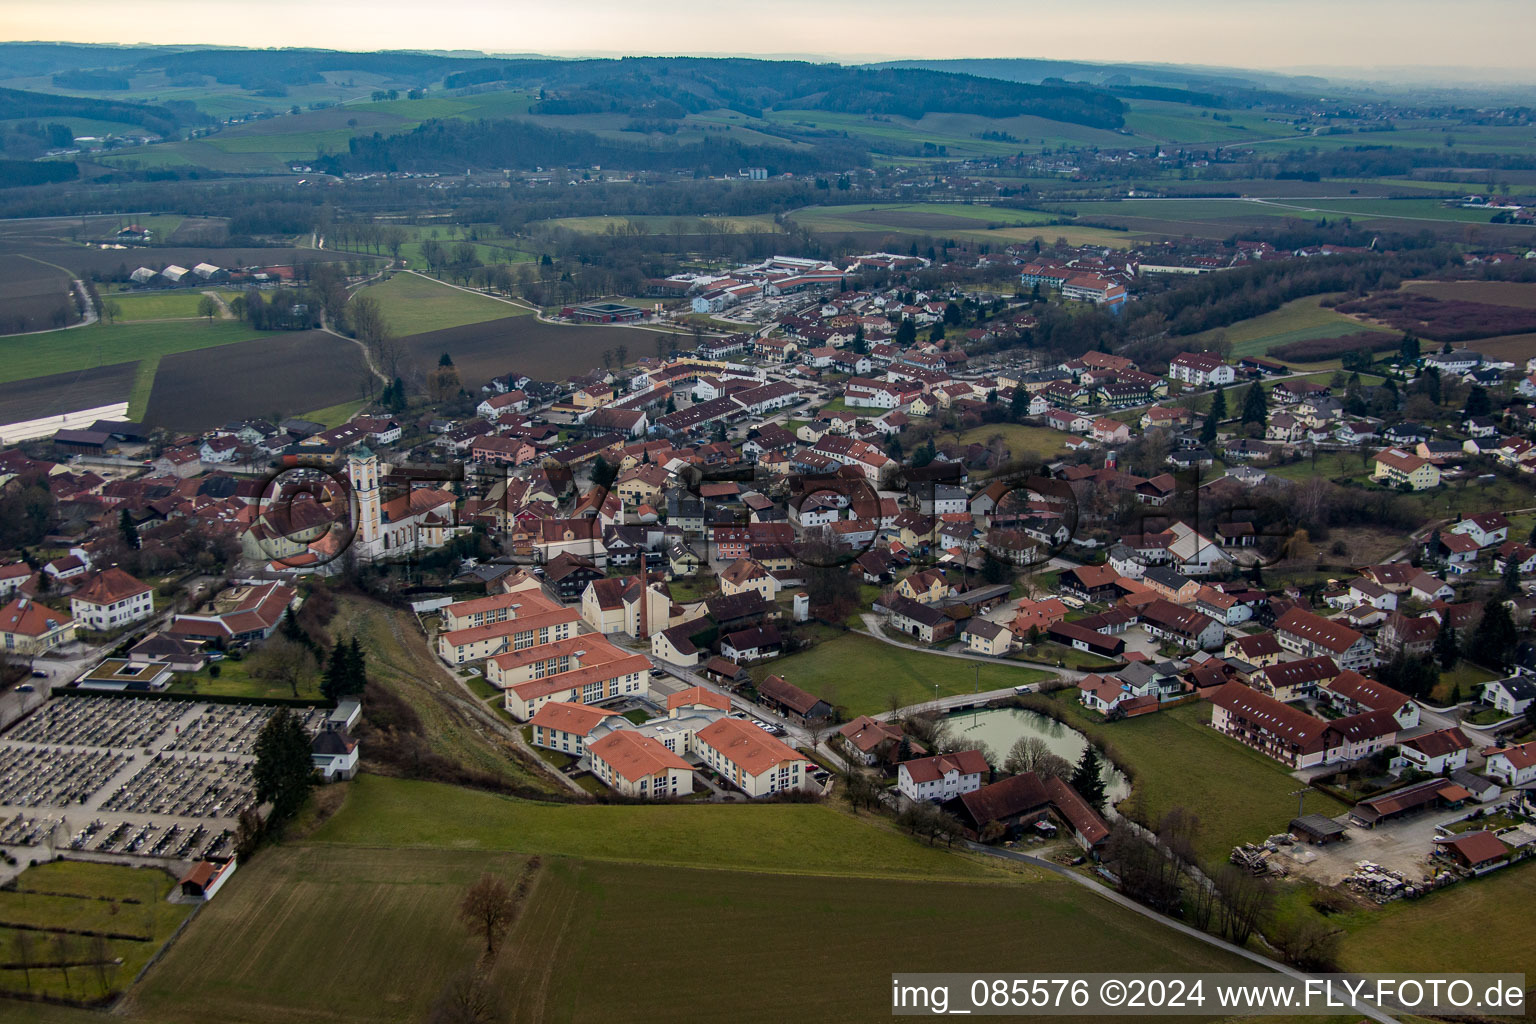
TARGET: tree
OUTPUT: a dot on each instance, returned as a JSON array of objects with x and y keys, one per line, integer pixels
[
  {"x": 1447, "y": 649},
  {"x": 283, "y": 772},
  {"x": 1219, "y": 404},
  {"x": 1255, "y": 405},
  {"x": 1025, "y": 753},
  {"x": 1208, "y": 428},
  {"x": 1409, "y": 349},
  {"x": 1087, "y": 778},
  {"x": 284, "y": 660},
  {"x": 129, "y": 532},
  {"x": 487, "y": 910},
  {"x": 604, "y": 473},
  {"x": 1243, "y": 900},
  {"x": 1495, "y": 637},
  {"x": 207, "y": 307},
  {"x": 1509, "y": 577},
  {"x": 906, "y": 332},
  {"x": 465, "y": 999},
  {"x": 1478, "y": 403}
]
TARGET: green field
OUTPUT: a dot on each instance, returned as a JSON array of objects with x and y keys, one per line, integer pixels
[
  {"x": 1473, "y": 926},
  {"x": 776, "y": 838},
  {"x": 1297, "y": 320},
  {"x": 54, "y": 902},
  {"x": 395, "y": 906},
  {"x": 393, "y": 911},
  {"x": 414, "y": 304},
  {"x": 1176, "y": 760},
  {"x": 1021, "y": 439},
  {"x": 37, "y": 355},
  {"x": 235, "y": 680},
  {"x": 158, "y": 305},
  {"x": 864, "y": 675},
  {"x": 336, "y": 415}
]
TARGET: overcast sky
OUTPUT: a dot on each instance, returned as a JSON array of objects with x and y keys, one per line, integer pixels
[{"x": 1348, "y": 34}]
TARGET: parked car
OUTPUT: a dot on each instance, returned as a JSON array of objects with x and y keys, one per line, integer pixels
[{"x": 26, "y": 688}]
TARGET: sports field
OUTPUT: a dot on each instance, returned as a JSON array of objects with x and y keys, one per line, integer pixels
[
  {"x": 415, "y": 304},
  {"x": 865, "y": 675}
]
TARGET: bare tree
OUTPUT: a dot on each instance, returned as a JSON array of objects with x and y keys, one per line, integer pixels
[
  {"x": 487, "y": 910},
  {"x": 285, "y": 661},
  {"x": 62, "y": 947},
  {"x": 465, "y": 999},
  {"x": 1026, "y": 750},
  {"x": 1244, "y": 900},
  {"x": 26, "y": 955}
]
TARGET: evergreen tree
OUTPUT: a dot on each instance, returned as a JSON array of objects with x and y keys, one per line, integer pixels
[
  {"x": 283, "y": 772},
  {"x": 1018, "y": 406},
  {"x": 1409, "y": 349},
  {"x": 1088, "y": 780},
  {"x": 445, "y": 360},
  {"x": 335, "y": 680},
  {"x": 1477, "y": 403},
  {"x": 860, "y": 346},
  {"x": 1447, "y": 648},
  {"x": 1510, "y": 577},
  {"x": 1495, "y": 637},
  {"x": 1255, "y": 405},
  {"x": 906, "y": 332},
  {"x": 1219, "y": 404},
  {"x": 1208, "y": 428},
  {"x": 128, "y": 530}
]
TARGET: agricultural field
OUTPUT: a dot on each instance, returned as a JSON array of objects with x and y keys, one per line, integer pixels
[
  {"x": 59, "y": 393},
  {"x": 1240, "y": 795},
  {"x": 655, "y": 224},
  {"x": 540, "y": 350},
  {"x": 864, "y": 675},
  {"x": 874, "y": 225},
  {"x": 1520, "y": 294},
  {"x": 281, "y": 373},
  {"x": 396, "y": 907},
  {"x": 397, "y": 897},
  {"x": 170, "y": 305},
  {"x": 792, "y": 839},
  {"x": 416, "y": 304},
  {"x": 1298, "y": 320},
  {"x": 32, "y": 295},
  {"x": 60, "y": 907},
  {"x": 99, "y": 345}
]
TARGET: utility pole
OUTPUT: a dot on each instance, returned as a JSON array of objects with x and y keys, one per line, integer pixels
[{"x": 1301, "y": 800}]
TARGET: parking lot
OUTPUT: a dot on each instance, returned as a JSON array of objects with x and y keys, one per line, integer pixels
[{"x": 130, "y": 777}]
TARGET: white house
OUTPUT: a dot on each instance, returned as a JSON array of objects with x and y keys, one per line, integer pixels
[
  {"x": 111, "y": 599},
  {"x": 1436, "y": 753},
  {"x": 1511, "y": 696},
  {"x": 941, "y": 777},
  {"x": 334, "y": 754},
  {"x": 1515, "y": 766}
]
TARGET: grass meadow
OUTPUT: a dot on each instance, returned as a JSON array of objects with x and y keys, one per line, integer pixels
[{"x": 414, "y": 304}]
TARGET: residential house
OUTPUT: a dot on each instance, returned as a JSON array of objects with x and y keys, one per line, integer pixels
[
  {"x": 111, "y": 599},
  {"x": 749, "y": 758},
  {"x": 942, "y": 777}
]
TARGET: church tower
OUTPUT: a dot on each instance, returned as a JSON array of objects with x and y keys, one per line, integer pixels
[{"x": 363, "y": 472}]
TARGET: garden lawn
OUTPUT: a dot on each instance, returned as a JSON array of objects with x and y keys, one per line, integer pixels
[
  {"x": 235, "y": 680},
  {"x": 863, "y": 675}
]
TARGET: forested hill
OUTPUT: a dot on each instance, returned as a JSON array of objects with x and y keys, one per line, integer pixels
[
  {"x": 658, "y": 86},
  {"x": 161, "y": 120},
  {"x": 456, "y": 146}
]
